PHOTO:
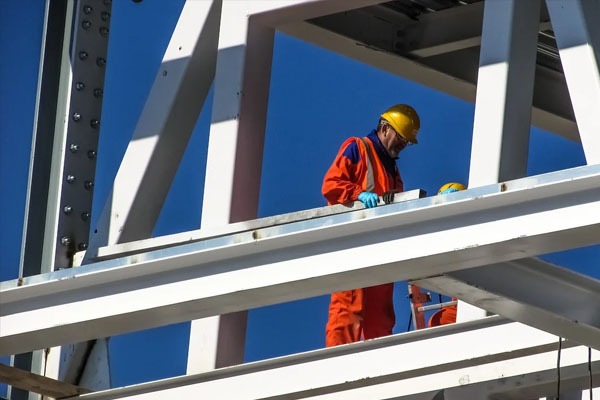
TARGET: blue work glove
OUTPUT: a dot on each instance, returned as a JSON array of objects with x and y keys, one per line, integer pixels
[
  {"x": 369, "y": 199},
  {"x": 449, "y": 190}
]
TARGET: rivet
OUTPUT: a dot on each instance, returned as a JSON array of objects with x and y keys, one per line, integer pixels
[
  {"x": 79, "y": 86},
  {"x": 98, "y": 92},
  {"x": 88, "y": 185},
  {"x": 65, "y": 241},
  {"x": 101, "y": 62},
  {"x": 70, "y": 178},
  {"x": 85, "y": 215},
  {"x": 107, "y": 2},
  {"x": 82, "y": 246},
  {"x": 83, "y": 55},
  {"x": 95, "y": 123},
  {"x": 103, "y": 31},
  {"x": 74, "y": 148},
  {"x": 91, "y": 154},
  {"x": 67, "y": 210},
  {"x": 105, "y": 16},
  {"x": 86, "y": 24},
  {"x": 87, "y": 9},
  {"x": 76, "y": 116}
]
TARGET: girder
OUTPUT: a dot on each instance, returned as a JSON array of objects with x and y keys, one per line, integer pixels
[
  {"x": 476, "y": 227},
  {"x": 477, "y": 359}
]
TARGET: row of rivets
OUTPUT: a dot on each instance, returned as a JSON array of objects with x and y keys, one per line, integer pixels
[{"x": 88, "y": 24}]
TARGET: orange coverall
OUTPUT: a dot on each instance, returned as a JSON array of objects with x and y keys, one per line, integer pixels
[{"x": 369, "y": 312}]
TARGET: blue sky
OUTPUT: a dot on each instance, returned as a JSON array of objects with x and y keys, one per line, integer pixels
[{"x": 317, "y": 99}]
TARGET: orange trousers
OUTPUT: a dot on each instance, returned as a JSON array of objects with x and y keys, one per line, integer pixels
[{"x": 360, "y": 314}]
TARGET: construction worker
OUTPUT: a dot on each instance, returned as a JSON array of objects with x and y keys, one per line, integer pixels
[
  {"x": 364, "y": 169},
  {"x": 446, "y": 315}
]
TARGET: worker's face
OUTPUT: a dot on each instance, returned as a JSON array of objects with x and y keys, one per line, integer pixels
[{"x": 392, "y": 141}]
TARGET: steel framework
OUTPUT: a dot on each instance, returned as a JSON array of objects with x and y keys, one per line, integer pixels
[{"x": 528, "y": 55}]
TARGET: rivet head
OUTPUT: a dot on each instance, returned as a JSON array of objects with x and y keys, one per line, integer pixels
[
  {"x": 95, "y": 123},
  {"x": 70, "y": 178},
  {"x": 73, "y": 148},
  {"x": 65, "y": 241},
  {"x": 76, "y": 117},
  {"x": 105, "y": 16},
  {"x": 82, "y": 246},
  {"x": 103, "y": 31},
  {"x": 98, "y": 92},
  {"x": 107, "y": 2},
  {"x": 67, "y": 210},
  {"x": 86, "y": 24},
  {"x": 83, "y": 55},
  {"x": 85, "y": 215},
  {"x": 91, "y": 154},
  {"x": 101, "y": 62},
  {"x": 88, "y": 185},
  {"x": 87, "y": 9},
  {"x": 79, "y": 86}
]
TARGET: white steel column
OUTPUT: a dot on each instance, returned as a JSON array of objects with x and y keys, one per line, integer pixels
[
  {"x": 575, "y": 24},
  {"x": 234, "y": 163},
  {"x": 236, "y": 140},
  {"x": 504, "y": 97}
]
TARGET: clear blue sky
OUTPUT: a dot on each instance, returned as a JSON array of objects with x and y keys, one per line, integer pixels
[{"x": 317, "y": 99}]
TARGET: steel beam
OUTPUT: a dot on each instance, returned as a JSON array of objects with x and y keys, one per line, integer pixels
[
  {"x": 162, "y": 242},
  {"x": 480, "y": 359},
  {"x": 439, "y": 234},
  {"x": 531, "y": 291},
  {"x": 165, "y": 126},
  {"x": 416, "y": 71},
  {"x": 504, "y": 91},
  {"x": 575, "y": 24}
]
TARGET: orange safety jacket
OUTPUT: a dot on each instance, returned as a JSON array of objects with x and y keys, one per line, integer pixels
[
  {"x": 361, "y": 164},
  {"x": 348, "y": 175}
]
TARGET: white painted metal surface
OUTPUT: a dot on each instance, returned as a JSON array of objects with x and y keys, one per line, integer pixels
[
  {"x": 466, "y": 229},
  {"x": 575, "y": 24},
  {"x": 166, "y": 123},
  {"x": 503, "y": 103},
  {"x": 531, "y": 291},
  {"x": 123, "y": 249},
  {"x": 490, "y": 357}
]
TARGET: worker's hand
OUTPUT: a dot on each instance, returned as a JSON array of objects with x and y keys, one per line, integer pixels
[
  {"x": 388, "y": 197},
  {"x": 369, "y": 199}
]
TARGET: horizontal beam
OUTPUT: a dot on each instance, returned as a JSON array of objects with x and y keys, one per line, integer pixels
[
  {"x": 160, "y": 242},
  {"x": 530, "y": 291},
  {"x": 437, "y": 235},
  {"x": 543, "y": 115},
  {"x": 467, "y": 355}
]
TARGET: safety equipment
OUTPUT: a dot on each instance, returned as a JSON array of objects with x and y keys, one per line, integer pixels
[
  {"x": 388, "y": 197},
  {"x": 405, "y": 120},
  {"x": 451, "y": 188},
  {"x": 369, "y": 199}
]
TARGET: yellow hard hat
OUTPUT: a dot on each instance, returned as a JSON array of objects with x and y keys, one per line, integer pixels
[
  {"x": 405, "y": 120},
  {"x": 451, "y": 187}
]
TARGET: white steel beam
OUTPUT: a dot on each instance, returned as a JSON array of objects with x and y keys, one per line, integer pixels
[
  {"x": 165, "y": 126},
  {"x": 439, "y": 234},
  {"x": 482, "y": 359},
  {"x": 504, "y": 91},
  {"x": 234, "y": 161},
  {"x": 161, "y": 242},
  {"x": 575, "y": 24},
  {"x": 236, "y": 140},
  {"x": 417, "y": 72},
  {"x": 505, "y": 80},
  {"x": 531, "y": 291}
]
